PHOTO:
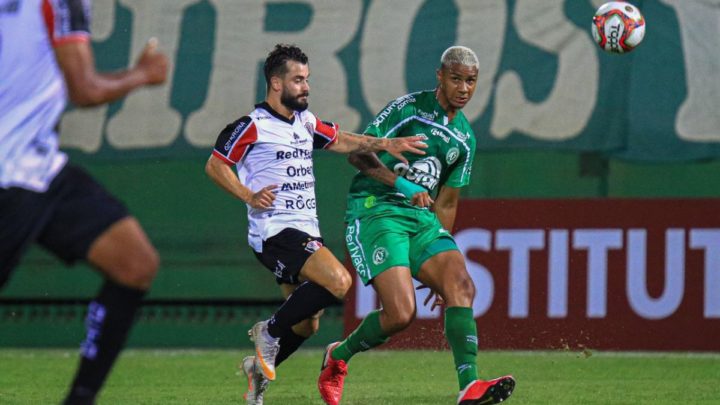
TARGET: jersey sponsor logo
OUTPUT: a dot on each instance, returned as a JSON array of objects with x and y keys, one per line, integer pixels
[
  {"x": 425, "y": 172},
  {"x": 463, "y": 136},
  {"x": 279, "y": 267},
  {"x": 300, "y": 203},
  {"x": 427, "y": 115},
  {"x": 313, "y": 246},
  {"x": 379, "y": 255},
  {"x": 452, "y": 155},
  {"x": 440, "y": 134},
  {"x": 397, "y": 104},
  {"x": 298, "y": 140},
  {"x": 294, "y": 171},
  {"x": 301, "y": 185},
  {"x": 356, "y": 254},
  {"x": 294, "y": 154},
  {"x": 234, "y": 135}
]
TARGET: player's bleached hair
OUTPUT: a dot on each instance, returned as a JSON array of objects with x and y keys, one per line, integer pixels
[{"x": 459, "y": 55}]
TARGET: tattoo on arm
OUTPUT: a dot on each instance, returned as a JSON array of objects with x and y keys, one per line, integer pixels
[
  {"x": 370, "y": 165},
  {"x": 368, "y": 144},
  {"x": 357, "y": 143}
]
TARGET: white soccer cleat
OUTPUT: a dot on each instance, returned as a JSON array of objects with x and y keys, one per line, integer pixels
[
  {"x": 266, "y": 349},
  {"x": 257, "y": 383}
]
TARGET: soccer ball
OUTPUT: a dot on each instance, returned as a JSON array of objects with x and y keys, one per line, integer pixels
[{"x": 618, "y": 27}]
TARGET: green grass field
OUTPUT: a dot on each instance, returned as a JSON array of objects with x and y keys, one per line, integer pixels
[{"x": 381, "y": 377}]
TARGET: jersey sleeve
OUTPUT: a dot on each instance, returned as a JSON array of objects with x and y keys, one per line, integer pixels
[
  {"x": 324, "y": 134},
  {"x": 67, "y": 20},
  {"x": 390, "y": 121},
  {"x": 235, "y": 141},
  {"x": 461, "y": 170}
]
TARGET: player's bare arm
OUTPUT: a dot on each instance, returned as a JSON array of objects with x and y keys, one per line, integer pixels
[
  {"x": 87, "y": 87},
  {"x": 370, "y": 165},
  {"x": 446, "y": 206},
  {"x": 222, "y": 174},
  {"x": 349, "y": 142}
]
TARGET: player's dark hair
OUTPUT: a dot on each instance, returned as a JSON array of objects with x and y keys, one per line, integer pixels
[{"x": 275, "y": 63}]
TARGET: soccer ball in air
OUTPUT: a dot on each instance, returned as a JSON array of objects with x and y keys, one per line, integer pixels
[{"x": 618, "y": 27}]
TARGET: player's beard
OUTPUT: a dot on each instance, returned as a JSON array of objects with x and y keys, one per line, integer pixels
[{"x": 293, "y": 102}]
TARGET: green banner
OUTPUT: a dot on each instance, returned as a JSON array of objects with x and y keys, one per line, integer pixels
[{"x": 543, "y": 82}]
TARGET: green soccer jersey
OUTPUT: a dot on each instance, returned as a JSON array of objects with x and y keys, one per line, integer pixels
[{"x": 448, "y": 158}]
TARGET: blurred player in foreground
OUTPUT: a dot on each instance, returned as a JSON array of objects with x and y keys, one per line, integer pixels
[
  {"x": 46, "y": 56},
  {"x": 272, "y": 148},
  {"x": 397, "y": 232}
]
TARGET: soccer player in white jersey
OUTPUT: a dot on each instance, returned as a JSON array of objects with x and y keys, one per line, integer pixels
[
  {"x": 272, "y": 150},
  {"x": 46, "y": 56}
]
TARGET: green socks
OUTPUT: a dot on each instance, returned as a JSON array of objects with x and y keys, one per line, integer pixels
[
  {"x": 461, "y": 333},
  {"x": 460, "y": 330},
  {"x": 366, "y": 336}
]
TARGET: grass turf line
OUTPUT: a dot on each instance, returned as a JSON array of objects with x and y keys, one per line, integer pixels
[{"x": 30, "y": 376}]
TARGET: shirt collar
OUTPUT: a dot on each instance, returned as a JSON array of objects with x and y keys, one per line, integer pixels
[{"x": 265, "y": 106}]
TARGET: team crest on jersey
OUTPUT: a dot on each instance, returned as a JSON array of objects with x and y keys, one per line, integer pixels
[
  {"x": 379, "y": 255},
  {"x": 452, "y": 155},
  {"x": 309, "y": 127},
  {"x": 313, "y": 246}
]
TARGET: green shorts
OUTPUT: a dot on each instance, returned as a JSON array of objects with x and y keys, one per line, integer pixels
[{"x": 392, "y": 237}]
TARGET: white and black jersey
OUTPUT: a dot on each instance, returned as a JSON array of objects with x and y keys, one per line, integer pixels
[
  {"x": 32, "y": 88},
  {"x": 267, "y": 149}
]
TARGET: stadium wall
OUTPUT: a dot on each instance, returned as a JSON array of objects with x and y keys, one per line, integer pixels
[{"x": 556, "y": 119}]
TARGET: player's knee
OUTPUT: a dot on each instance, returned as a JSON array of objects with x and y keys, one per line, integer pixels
[
  {"x": 465, "y": 291},
  {"x": 341, "y": 283},
  {"x": 399, "y": 321},
  {"x": 138, "y": 270}
]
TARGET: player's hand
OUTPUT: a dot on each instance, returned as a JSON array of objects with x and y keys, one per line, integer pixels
[
  {"x": 418, "y": 195},
  {"x": 264, "y": 198},
  {"x": 422, "y": 200},
  {"x": 153, "y": 63},
  {"x": 438, "y": 302},
  {"x": 412, "y": 144}
]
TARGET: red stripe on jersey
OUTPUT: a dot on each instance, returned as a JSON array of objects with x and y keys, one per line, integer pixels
[
  {"x": 328, "y": 131},
  {"x": 223, "y": 158},
  {"x": 49, "y": 15},
  {"x": 241, "y": 145}
]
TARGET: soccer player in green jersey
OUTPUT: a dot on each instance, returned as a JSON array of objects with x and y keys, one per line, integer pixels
[{"x": 396, "y": 231}]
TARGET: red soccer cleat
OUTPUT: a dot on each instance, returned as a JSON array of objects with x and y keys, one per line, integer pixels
[
  {"x": 481, "y": 392},
  {"x": 332, "y": 377}
]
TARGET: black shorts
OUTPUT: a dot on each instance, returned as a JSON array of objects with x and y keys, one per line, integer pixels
[
  {"x": 286, "y": 253},
  {"x": 66, "y": 219}
]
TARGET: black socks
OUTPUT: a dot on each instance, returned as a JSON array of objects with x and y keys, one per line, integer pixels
[
  {"x": 110, "y": 317},
  {"x": 303, "y": 303}
]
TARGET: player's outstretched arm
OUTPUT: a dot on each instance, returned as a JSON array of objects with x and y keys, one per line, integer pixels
[
  {"x": 349, "y": 142},
  {"x": 222, "y": 174},
  {"x": 371, "y": 166},
  {"x": 87, "y": 87}
]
